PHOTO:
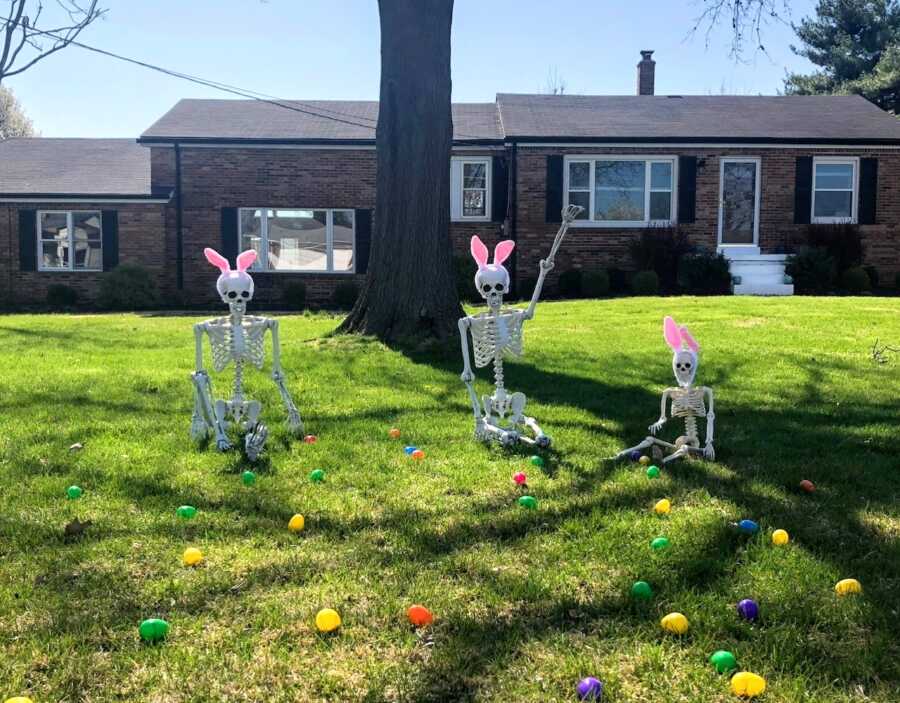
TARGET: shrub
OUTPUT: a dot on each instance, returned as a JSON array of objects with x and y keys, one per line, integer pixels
[
  {"x": 873, "y": 275},
  {"x": 705, "y": 273},
  {"x": 465, "y": 279},
  {"x": 570, "y": 283},
  {"x": 595, "y": 284},
  {"x": 645, "y": 283},
  {"x": 61, "y": 296},
  {"x": 812, "y": 269},
  {"x": 660, "y": 249},
  {"x": 842, "y": 242},
  {"x": 127, "y": 287},
  {"x": 345, "y": 294},
  {"x": 618, "y": 281},
  {"x": 294, "y": 295},
  {"x": 897, "y": 281},
  {"x": 856, "y": 280},
  {"x": 526, "y": 288}
]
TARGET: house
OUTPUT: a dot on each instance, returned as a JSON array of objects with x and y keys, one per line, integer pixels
[{"x": 297, "y": 180}]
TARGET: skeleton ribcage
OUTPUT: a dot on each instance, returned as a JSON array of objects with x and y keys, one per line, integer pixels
[
  {"x": 221, "y": 339},
  {"x": 491, "y": 334},
  {"x": 688, "y": 402}
]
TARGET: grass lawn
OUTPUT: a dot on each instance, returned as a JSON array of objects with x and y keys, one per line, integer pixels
[{"x": 526, "y": 602}]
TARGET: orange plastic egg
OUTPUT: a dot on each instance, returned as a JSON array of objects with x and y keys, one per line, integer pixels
[{"x": 419, "y": 615}]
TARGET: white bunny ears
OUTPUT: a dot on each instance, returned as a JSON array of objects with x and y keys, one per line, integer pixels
[
  {"x": 678, "y": 337},
  {"x": 501, "y": 253},
  {"x": 244, "y": 261}
]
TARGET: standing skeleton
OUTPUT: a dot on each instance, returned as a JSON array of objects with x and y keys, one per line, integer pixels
[
  {"x": 238, "y": 338},
  {"x": 687, "y": 401},
  {"x": 497, "y": 333}
]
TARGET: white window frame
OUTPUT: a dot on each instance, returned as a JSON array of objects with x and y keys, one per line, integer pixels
[
  {"x": 648, "y": 159},
  {"x": 457, "y": 173},
  {"x": 262, "y": 262},
  {"x": 852, "y": 161},
  {"x": 71, "y": 230}
]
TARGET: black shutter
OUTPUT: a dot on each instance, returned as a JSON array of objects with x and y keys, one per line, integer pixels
[
  {"x": 499, "y": 188},
  {"x": 803, "y": 190},
  {"x": 687, "y": 189},
  {"x": 363, "y": 220},
  {"x": 868, "y": 191},
  {"x": 554, "y": 202},
  {"x": 110, "y": 221},
  {"x": 27, "y": 240},
  {"x": 230, "y": 234}
]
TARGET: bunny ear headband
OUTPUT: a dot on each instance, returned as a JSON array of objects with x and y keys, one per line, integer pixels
[
  {"x": 480, "y": 253},
  {"x": 244, "y": 261},
  {"x": 678, "y": 338}
]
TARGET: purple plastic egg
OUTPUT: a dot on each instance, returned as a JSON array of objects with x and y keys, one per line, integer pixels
[
  {"x": 748, "y": 609},
  {"x": 635, "y": 455},
  {"x": 590, "y": 689}
]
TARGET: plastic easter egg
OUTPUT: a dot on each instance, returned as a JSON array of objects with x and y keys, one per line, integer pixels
[
  {"x": 652, "y": 472},
  {"x": 409, "y": 450},
  {"x": 310, "y": 439},
  {"x": 249, "y": 478},
  {"x": 529, "y": 502},
  {"x": 641, "y": 590},
  {"x": 747, "y": 684},
  {"x": 845, "y": 587},
  {"x": 634, "y": 456},
  {"x": 419, "y": 615},
  {"x": 807, "y": 486},
  {"x": 297, "y": 523},
  {"x": 748, "y": 609},
  {"x": 418, "y": 454},
  {"x": 660, "y": 543},
  {"x": 317, "y": 475},
  {"x": 748, "y": 526},
  {"x": 18, "y": 699},
  {"x": 394, "y": 433},
  {"x": 644, "y": 460},
  {"x": 153, "y": 630},
  {"x": 74, "y": 492},
  {"x": 663, "y": 507},
  {"x": 327, "y": 620},
  {"x": 780, "y": 537},
  {"x": 186, "y": 512},
  {"x": 537, "y": 461},
  {"x": 192, "y": 556},
  {"x": 723, "y": 661},
  {"x": 520, "y": 479},
  {"x": 589, "y": 689},
  {"x": 676, "y": 623}
]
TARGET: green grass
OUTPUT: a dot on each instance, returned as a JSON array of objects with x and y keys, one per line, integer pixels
[{"x": 527, "y": 602}]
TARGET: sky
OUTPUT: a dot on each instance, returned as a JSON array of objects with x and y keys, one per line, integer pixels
[{"x": 329, "y": 50}]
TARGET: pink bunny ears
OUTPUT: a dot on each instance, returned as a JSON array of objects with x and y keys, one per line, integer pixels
[
  {"x": 678, "y": 337},
  {"x": 480, "y": 252},
  {"x": 244, "y": 261}
]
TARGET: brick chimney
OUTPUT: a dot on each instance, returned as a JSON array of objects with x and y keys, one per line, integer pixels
[{"x": 646, "y": 73}]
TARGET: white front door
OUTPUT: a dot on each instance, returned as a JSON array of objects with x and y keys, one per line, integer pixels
[{"x": 739, "y": 201}]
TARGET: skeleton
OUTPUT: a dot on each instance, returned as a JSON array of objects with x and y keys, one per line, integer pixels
[
  {"x": 687, "y": 401},
  {"x": 237, "y": 338},
  {"x": 497, "y": 333}
]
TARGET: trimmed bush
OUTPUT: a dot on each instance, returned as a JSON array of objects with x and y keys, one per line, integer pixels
[
  {"x": 645, "y": 283},
  {"x": 660, "y": 249},
  {"x": 595, "y": 284},
  {"x": 570, "y": 283},
  {"x": 127, "y": 287},
  {"x": 812, "y": 269},
  {"x": 704, "y": 273},
  {"x": 61, "y": 296},
  {"x": 842, "y": 242},
  {"x": 294, "y": 295},
  {"x": 873, "y": 275},
  {"x": 618, "y": 281},
  {"x": 345, "y": 294},
  {"x": 856, "y": 280}
]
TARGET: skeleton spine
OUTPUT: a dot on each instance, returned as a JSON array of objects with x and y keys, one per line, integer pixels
[
  {"x": 690, "y": 427},
  {"x": 498, "y": 371}
]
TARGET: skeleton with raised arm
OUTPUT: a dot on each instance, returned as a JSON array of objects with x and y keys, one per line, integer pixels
[
  {"x": 687, "y": 401},
  {"x": 497, "y": 333},
  {"x": 236, "y": 338}
]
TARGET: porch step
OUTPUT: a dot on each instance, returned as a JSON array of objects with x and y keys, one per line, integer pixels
[
  {"x": 759, "y": 274},
  {"x": 764, "y": 289}
]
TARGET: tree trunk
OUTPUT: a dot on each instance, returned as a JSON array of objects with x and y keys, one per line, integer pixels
[{"x": 410, "y": 291}]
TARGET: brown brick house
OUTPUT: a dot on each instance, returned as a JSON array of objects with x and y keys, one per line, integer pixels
[{"x": 296, "y": 181}]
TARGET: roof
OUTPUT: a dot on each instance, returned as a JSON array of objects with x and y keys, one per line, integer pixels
[
  {"x": 58, "y": 167},
  {"x": 349, "y": 121},
  {"x": 697, "y": 118}
]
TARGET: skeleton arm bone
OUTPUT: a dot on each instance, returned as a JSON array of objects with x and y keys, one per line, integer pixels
[
  {"x": 710, "y": 421},
  {"x": 467, "y": 376},
  {"x": 657, "y": 426},
  {"x": 204, "y": 417},
  {"x": 547, "y": 264},
  {"x": 295, "y": 424}
]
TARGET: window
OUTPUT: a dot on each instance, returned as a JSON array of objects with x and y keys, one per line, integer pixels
[
  {"x": 622, "y": 190},
  {"x": 834, "y": 190},
  {"x": 317, "y": 240},
  {"x": 70, "y": 240},
  {"x": 470, "y": 188}
]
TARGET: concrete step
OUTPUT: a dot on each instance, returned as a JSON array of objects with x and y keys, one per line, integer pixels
[
  {"x": 759, "y": 274},
  {"x": 756, "y": 288}
]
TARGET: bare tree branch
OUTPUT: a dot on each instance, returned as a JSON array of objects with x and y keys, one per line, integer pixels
[{"x": 747, "y": 18}]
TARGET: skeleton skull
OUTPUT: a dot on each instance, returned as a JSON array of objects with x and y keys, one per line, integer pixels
[
  {"x": 684, "y": 364},
  {"x": 684, "y": 352},
  {"x": 492, "y": 280},
  {"x": 235, "y": 287}
]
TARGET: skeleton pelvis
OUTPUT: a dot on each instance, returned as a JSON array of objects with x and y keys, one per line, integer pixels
[{"x": 502, "y": 404}]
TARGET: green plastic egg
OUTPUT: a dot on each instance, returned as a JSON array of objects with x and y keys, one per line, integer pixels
[
  {"x": 537, "y": 461},
  {"x": 74, "y": 492},
  {"x": 249, "y": 478},
  {"x": 186, "y": 512},
  {"x": 641, "y": 590},
  {"x": 529, "y": 502},
  {"x": 153, "y": 630},
  {"x": 652, "y": 472},
  {"x": 317, "y": 475},
  {"x": 659, "y": 543},
  {"x": 723, "y": 661}
]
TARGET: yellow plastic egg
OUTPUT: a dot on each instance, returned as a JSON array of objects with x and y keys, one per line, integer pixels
[
  {"x": 747, "y": 684},
  {"x": 327, "y": 620},
  {"x": 663, "y": 507},
  {"x": 780, "y": 537},
  {"x": 845, "y": 587},
  {"x": 676, "y": 623},
  {"x": 192, "y": 556},
  {"x": 644, "y": 460},
  {"x": 19, "y": 699},
  {"x": 297, "y": 523}
]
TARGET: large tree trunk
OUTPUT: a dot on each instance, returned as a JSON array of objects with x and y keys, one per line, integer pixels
[{"x": 410, "y": 291}]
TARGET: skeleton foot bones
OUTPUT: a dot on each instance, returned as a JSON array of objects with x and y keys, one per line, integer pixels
[
  {"x": 687, "y": 401},
  {"x": 237, "y": 338}
]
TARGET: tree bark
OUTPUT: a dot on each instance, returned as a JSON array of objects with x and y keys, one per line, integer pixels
[{"x": 410, "y": 291}]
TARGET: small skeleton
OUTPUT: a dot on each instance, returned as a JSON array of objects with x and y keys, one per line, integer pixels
[
  {"x": 497, "y": 333},
  {"x": 238, "y": 338},
  {"x": 687, "y": 401}
]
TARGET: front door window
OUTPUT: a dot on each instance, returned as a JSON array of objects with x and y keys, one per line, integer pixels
[{"x": 738, "y": 209}]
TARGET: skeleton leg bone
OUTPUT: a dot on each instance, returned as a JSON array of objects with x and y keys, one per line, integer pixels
[{"x": 214, "y": 422}]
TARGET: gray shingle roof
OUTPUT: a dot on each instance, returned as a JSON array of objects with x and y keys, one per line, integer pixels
[
  {"x": 74, "y": 167},
  {"x": 696, "y": 118},
  {"x": 307, "y": 120}
]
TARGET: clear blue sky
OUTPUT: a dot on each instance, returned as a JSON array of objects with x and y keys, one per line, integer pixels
[{"x": 329, "y": 49}]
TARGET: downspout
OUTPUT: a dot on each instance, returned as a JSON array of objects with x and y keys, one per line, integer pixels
[
  {"x": 513, "y": 208},
  {"x": 179, "y": 237}
]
